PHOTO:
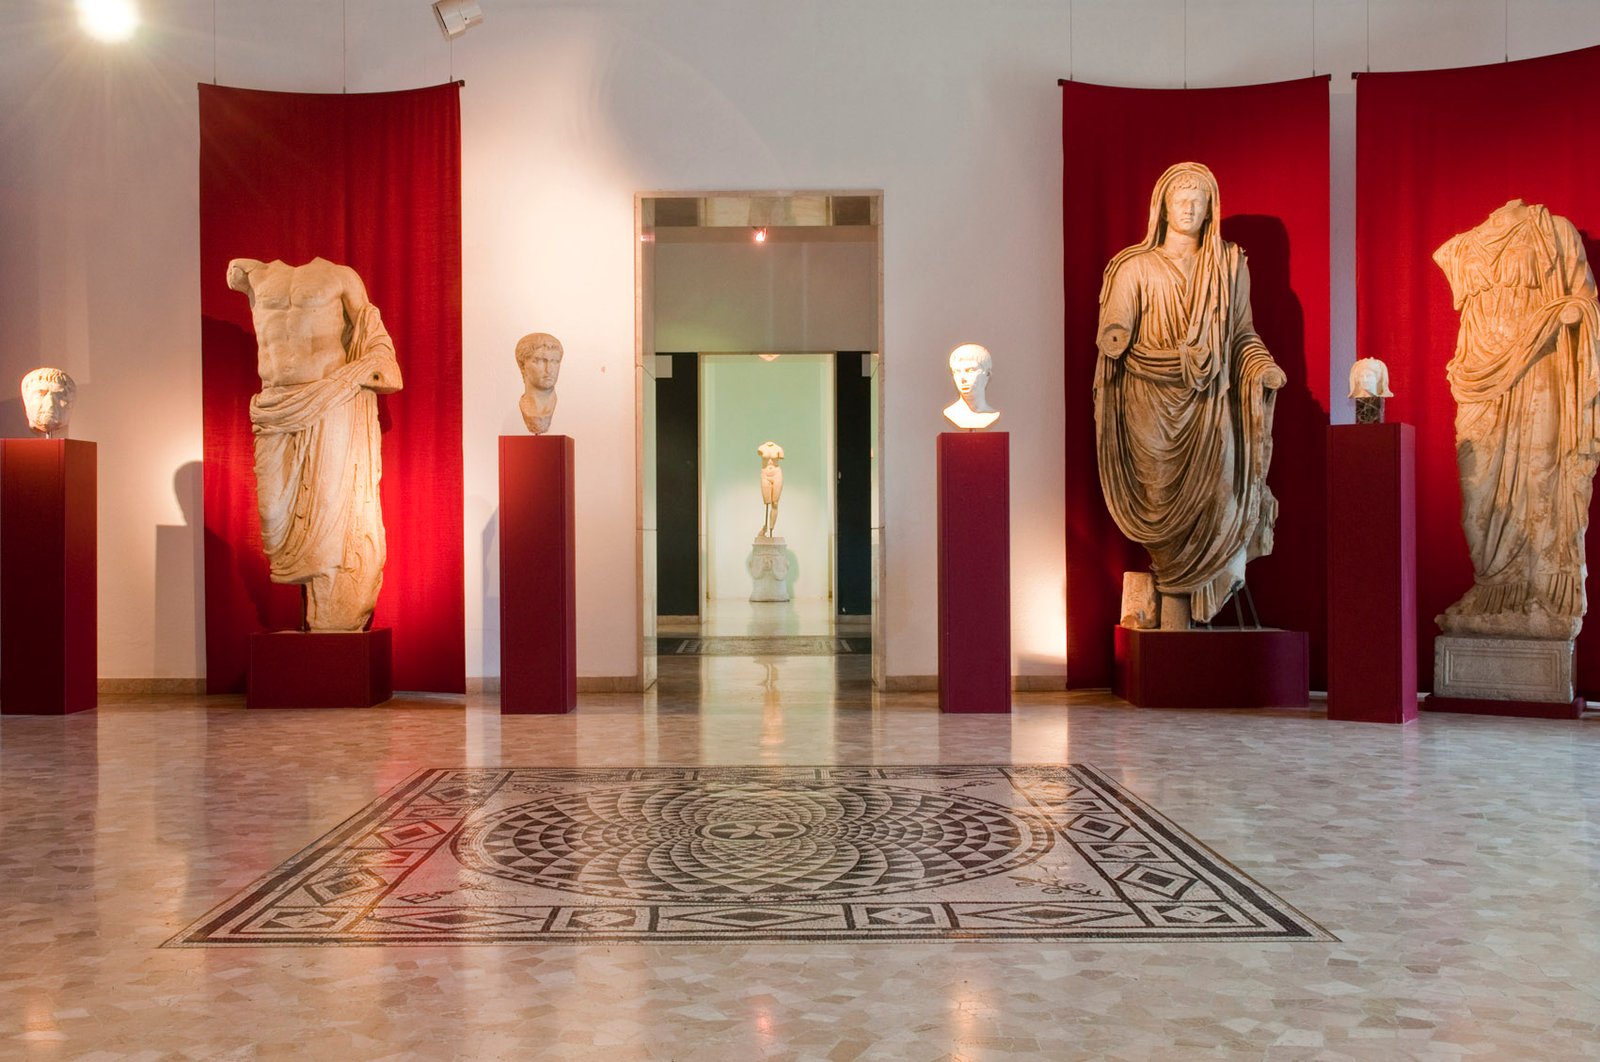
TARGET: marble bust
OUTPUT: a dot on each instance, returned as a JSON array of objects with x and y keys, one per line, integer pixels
[
  {"x": 970, "y": 369},
  {"x": 1184, "y": 393},
  {"x": 1369, "y": 386},
  {"x": 771, "y": 484},
  {"x": 47, "y": 397},
  {"x": 1526, "y": 380},
  {"x": 539, "y": 359},
  {"x": 324, "y": 357}
]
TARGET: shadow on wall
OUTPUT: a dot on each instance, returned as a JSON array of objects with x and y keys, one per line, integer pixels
[
  {"x": 180, "y": 629},
  {"x": 491, "y": 595}
]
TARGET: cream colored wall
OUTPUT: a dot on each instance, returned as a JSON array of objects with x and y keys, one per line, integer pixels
[{"x": 949, "y": 107}]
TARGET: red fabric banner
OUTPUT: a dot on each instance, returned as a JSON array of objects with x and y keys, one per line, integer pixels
[
  {"x": 370, "y": 181},
  {"x": 1436, "y": 152},
  {"x": 1268, "y": 146}
]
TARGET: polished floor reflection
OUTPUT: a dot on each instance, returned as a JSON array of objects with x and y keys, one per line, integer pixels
[{"x": 1455, "y": 859}]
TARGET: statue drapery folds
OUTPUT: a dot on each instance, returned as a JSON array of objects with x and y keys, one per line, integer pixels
[{"x": 1184, "y": 392}]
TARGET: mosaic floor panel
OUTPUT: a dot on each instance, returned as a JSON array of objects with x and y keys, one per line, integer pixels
[{"x": 719, "y": 854}]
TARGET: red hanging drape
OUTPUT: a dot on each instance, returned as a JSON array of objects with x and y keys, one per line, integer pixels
[
  {"x": 1268, "y": 146},
  {"x": 1436, "y": 152},
  {"x": 373, "y": 182}
]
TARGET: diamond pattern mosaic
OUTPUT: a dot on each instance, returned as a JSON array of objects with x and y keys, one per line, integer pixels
[{"x": 715, "y": 854}]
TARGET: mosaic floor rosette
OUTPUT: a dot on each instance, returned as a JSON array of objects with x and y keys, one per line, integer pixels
[{"x": 727, "y": 854}]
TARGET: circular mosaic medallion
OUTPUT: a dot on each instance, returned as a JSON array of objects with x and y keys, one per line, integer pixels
[{"x": 734, "y": 840}]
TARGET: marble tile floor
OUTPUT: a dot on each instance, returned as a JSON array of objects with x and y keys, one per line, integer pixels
[{"x": 1456, "y": 859}]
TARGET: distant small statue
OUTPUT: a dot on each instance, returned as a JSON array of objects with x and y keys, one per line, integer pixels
[
  {"x": 1526, "y": 380},
  {"x": 539, "y": 358},
  {"x": 47, "y": 397},
  {"x": 1369, "y": 386},
  {"x": 771, "y": 484},
  {"x": 970, "y": 369}
]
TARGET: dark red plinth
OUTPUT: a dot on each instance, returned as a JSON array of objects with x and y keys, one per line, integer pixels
[
  {"x": 538, "y": 576},
  {"x": 1372, "y": 573},
  {"x": 1215, "y": 667},
  {"x": 1517, "y": 709},
  {"x": 321, "y": 669},
  {"x": 48, "y": 663},
  {"x": 974, "y": 571}
]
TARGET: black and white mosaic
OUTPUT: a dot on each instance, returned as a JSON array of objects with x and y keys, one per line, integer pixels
[{"x": 714, "y": 854}]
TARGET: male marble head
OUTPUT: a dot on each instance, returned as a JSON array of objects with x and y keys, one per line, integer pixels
[
  {"x": 47, "y": 396},
  {"x": 970, "y": 369},
  {"x": 539, "y": 359}
]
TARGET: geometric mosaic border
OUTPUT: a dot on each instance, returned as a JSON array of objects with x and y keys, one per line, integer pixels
[{"x": 657, "y": 855}]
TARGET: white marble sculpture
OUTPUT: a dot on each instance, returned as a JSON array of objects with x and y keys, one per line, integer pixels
[
  {"x": 539, "y": 359},
  {"x": 1369, "y": 386},
  {"x": 1139, "y": 609},
  {"x": 970, "y": 368},
  {"x": 1526, "y": 380},
  {"x": 324, "y": 357},
  {"x": 771, "y": 485},
  {"x": 1183, "y": 398},
  {"x": 47, "y": 397}
]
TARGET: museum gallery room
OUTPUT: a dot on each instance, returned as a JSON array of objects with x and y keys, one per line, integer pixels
[{"x": 511, "y": 543}]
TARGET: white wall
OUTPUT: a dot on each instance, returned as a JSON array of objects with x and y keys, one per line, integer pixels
[
  {"x": 744, "y": 402},
  {"x": 788, "y": 296},
  {"x": 949, "y": 107}
]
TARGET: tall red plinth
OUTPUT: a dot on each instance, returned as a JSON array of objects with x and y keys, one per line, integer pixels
[
  {"x": 1212, "y": 667},
  {"x": 1372, "y": 573},
  {"x": 48, "y": 663},
  {"x": 538, "y": 576},
  {"x": 974, "y": 572},
  {"x": 320, "y": 669}
]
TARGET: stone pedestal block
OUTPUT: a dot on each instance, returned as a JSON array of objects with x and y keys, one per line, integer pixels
[
  {"x": 1503, "y": 676},
  {"x": 538, "y": 575},
  {"x": 974, "y": 529},
  {"x": 321, "y": 669},
  {"x": 769, "y": 569}
]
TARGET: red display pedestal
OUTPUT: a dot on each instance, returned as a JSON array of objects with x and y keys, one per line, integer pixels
[
  {"x": 974, "y": 572},
  {"x": 1517, "y": 709},
  {"x": 48, "y": 663},
  {"x": 538, "y": 576},
  {"x": 1215, "y": 667},
  {"x": 320, "y": 669},
  {"x": 1372, "y": 573}
]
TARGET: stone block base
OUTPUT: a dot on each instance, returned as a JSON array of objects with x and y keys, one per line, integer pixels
[
  {"x": 769, "y": 569},
  {"x": 321, "y": 669},
  {"x": 1478, "y": 667}
]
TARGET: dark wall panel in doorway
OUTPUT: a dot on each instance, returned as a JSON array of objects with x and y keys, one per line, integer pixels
[
  {"x": 852, "y": 393},
  {"x": 678, "y": 488}
]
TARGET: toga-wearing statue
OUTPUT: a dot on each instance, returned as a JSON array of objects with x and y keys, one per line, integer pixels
[
  {"x": 324, "y": 357},
  {"x": 1526, "y": 377},
  {"x": 1183, "y": 400}
]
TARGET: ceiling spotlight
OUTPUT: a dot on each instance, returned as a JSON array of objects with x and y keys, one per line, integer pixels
[
  {"x": 457, "y": 16},
  {"x": 760, "y": 235},
  {"x": 767, "y": 357},
  {"x": 108, "y": 20}
]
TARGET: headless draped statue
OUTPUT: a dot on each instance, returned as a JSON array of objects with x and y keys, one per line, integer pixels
[
  {"x": 1183, "y": 399},
  {"x": 1526, "y": 380},
  {"x": 324, "y": 357}
]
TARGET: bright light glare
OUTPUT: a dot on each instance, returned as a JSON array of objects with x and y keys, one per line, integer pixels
[{"x": 108, "y": 20}]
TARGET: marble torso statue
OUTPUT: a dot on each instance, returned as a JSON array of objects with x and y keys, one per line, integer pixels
[
  {"x": 323, "y": 357},
  {"x": 771, "y": 484},
  {"x": 1184, "y": 393},
  {"x": 1526, "y": 377}
]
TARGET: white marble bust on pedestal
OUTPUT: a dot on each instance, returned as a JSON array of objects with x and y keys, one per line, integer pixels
[
  {"x": 539, "y": 357},
  {"x": 47, "y": 397},
  {"x": 1369, "y": 386},
  {"x": 970, "y": 369}
]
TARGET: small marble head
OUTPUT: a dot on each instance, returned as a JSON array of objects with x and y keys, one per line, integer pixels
[
  {"x": 47, "y": 397},
  {"x": 539, "y": 360},
  {"x": 1369, "y": 378},
  {"x": 970, "y": 369}
]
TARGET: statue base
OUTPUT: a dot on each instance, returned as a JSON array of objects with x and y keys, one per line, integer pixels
[
  {"x": 769, "y": 569},
  {"x": 320, "y": 669},
  {"x": 1212, "y": 667},
  {"x": 1505, "y": 671}
]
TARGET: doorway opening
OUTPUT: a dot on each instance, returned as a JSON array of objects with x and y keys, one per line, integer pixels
[{"x": 759, "y": 396}]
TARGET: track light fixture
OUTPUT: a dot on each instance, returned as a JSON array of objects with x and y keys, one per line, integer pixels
[{"x": 457, "y": 16}]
